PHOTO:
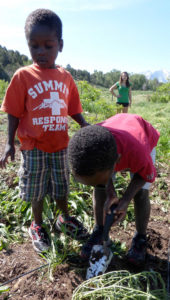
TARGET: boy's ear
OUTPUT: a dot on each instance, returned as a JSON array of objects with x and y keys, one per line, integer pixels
[{"x": 61, "y": 45}]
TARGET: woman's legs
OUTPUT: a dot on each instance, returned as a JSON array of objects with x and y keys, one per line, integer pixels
[{"x": 125, "y": 109}]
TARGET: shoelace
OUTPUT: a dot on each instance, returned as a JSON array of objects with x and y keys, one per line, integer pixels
[
  {"x": 81, "y": 228},
  {"x": 77, "y": 223},
  {"x": 40, "y": 232}
]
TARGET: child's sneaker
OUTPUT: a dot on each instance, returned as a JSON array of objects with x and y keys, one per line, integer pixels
[
  {"x": 137, "y": 253},
  {"x": 96, "y": 238},
  {"x": 40, "y": 239},
  {"x": 72, "y": 227}
]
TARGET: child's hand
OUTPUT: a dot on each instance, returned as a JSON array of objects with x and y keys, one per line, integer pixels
[
  {"x": 120, "y": 211},
  {"x": 9, "y": 152},
  {"x": 107, "y": 205}
]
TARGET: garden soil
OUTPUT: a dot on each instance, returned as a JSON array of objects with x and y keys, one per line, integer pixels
[{"x": 19, "y": 259}]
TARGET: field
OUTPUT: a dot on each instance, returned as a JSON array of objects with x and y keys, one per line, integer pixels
[{"x": 56, "y": 274}]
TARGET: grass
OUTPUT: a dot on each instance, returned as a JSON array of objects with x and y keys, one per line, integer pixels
[{"x": 122, "y": 285}]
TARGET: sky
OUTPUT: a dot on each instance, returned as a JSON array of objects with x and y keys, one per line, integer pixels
[{"x": 102, "y": 35}]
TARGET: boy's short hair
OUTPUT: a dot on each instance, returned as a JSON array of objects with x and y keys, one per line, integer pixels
[
  {"x": 43, "y": 17},
  {"x": 92, "y": 149}
]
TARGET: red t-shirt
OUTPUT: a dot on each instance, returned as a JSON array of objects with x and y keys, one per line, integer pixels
[
  {"x": 135, "y": 139},
  {"x": 42, "y": 99}
]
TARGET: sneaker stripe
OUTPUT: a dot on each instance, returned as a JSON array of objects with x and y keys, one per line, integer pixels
[
  {"x": 72, "y": 227},
  {"x": 40, "y": 239}
]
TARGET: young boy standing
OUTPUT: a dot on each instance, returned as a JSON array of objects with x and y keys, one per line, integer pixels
[
  {"x": 38, "y": 101},
  {"x": 95, "y": 153}
]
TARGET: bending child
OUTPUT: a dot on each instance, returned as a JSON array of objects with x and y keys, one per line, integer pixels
[
  {"x": 96, "y": 152},
  {"x": 38, "y": 101}
]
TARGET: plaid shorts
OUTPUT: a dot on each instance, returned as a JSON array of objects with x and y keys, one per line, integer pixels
[{"x": 43, "y": 173}]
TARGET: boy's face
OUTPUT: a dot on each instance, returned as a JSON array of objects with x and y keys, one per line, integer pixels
[
  {"x": 99, "y": 178},
  {"x": 44, "y": 46}
]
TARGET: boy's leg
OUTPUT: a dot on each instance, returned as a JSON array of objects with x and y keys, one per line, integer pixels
[
  {"x": 137, "y": 253},
  {"x": 37, "y": 209},
  {"x": 99, "y": 198},
  {"x": 59, "y": 181},
  {"x": 142, "y": 204},
  {"x": 63, "y": 205},
  {"x": 33, "y": 182},
  {"x": 100, "y": 194},
  {"x": 59, "y": 191},
  {"x": 142, "y": 210},
  {"x": 69, "y": 224}
]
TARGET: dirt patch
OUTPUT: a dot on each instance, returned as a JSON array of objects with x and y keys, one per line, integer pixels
[
  {"x": 158, "y": 239},
  {"x": 21, "y": 258}
]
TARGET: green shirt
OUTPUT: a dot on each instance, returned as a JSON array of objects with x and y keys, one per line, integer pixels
[{"x": 123, "y": 92}]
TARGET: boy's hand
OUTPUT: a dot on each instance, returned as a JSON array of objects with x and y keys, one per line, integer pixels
[
  {"x": 9, "y": 152},
  {"x": 107, "y": 205},
  {"x": 120, "y": 210}
]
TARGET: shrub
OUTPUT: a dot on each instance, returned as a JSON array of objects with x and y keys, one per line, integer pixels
[
  {"x": 162, "y": 94},
  {"x": 92, "y": 101},
  {"x": 3, "y": 87}
]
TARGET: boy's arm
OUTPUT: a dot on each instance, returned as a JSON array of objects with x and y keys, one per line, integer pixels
[
  {"x": 134, "y": 186},
  {"x": 80, "y": 120},
  {"x": 111, "y": 198},
  {"x": 9, "y": 148}
]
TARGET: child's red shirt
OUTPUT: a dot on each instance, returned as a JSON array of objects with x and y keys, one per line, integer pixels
[
  {"x": 135, "y": 139},
  {"x": 42, "y": 99}
]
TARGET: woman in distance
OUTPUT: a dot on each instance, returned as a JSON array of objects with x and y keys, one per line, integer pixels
[{"x": 124, "y": 96}]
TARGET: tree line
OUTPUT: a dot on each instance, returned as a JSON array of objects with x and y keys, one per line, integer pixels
[
  {"x": 138, "y": 81},
  {"x": 11, "y": 60}
]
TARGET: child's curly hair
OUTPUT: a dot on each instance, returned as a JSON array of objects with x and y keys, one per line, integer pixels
[
  {"x": 91, "y": 149},
  {"x": 43, "y": 17}
]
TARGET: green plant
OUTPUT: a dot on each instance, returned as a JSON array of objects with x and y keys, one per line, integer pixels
[
  {"x": 4, "y": 289},
  {"x": 3, "y": 87},
  {"x": 122, "y": 285},
  {"x": 94, "y": 102},
  {"x": 162, "y": 94},
  {"x": 88, "y": 95}
]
